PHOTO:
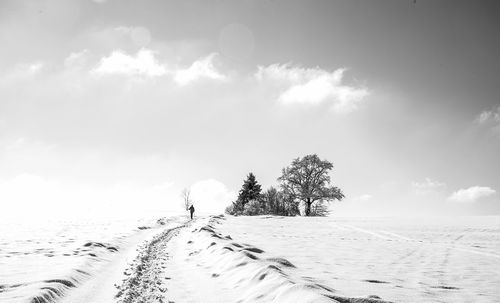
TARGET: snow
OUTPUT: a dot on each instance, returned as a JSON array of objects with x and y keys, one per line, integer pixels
[
  {"x": 206, "y": 264},
  {"x": 47, "y": 260},
  {"x": 252, "y": 259},
  {"x": 397, "y": 259}
]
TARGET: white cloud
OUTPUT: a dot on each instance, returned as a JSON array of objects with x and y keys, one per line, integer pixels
[
  {"x": 143, "y": 63},
  {"x": 25, "y": 70},
  {"x": 34, "y": 68},
  {"x": 428, "y": 186},
  {"x": 31, "y": 196},
  {"x": 489, "y": 116},
  {"x": 76, "y": 59},
  {"x": 211, "y": 196},
  {"x": 22, "y": 72},
  {"x": 17, "y": 144},
  {"x": 313, "y": 86},
  {"x": 483, "y": 117},
  {"x": 201, "y": 68},
  {"x": 491, "y": 119},
  {"x": 471, "y": 194}
]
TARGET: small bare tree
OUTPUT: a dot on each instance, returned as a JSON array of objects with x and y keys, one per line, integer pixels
[{"x": 186, "y": 198}]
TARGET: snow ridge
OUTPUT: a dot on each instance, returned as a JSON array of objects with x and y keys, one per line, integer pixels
[{"x": 249, "y": 271}]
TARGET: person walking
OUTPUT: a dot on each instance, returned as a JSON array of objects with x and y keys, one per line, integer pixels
[{"x": 191, "y": 211}]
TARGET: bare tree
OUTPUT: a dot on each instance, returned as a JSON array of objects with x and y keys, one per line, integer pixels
[
  {"x": 320, "y": 209},
  {"x": 186, "y": 198},
  {"x": 307, "y": 180}
]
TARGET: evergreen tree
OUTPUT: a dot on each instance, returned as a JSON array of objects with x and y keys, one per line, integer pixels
[{"x": 249, "y": 191}]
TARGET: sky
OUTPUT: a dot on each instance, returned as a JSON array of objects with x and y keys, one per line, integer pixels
[{"x": 112, "y": 107}]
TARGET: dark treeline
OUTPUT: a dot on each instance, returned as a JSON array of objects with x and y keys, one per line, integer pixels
[{"x": 305, "y": 184}]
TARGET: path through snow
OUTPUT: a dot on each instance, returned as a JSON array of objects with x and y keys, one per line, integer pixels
[{"x": 196, "y": 263}]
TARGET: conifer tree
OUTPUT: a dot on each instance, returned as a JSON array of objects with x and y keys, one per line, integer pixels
[{"x": 249, "y": 191}]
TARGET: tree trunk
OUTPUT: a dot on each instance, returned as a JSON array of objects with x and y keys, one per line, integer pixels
[{"x": 308, "y": 208}]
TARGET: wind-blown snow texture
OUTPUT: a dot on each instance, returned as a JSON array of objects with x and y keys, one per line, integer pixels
[
  {"x": 404, "y": 260},
  {"x": 199, "y": 264},
  {"x": 255, "y": 259},
  {"x": 45, "y": 261}
]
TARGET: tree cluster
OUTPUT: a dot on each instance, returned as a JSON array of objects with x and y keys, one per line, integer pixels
[{"x": 304, "y": 184}]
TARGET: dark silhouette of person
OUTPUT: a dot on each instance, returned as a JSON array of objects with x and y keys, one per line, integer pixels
[{"x": 191, "y": 210}]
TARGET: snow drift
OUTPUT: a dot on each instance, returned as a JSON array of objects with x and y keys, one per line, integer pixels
[{"x": 237, "y": 270}]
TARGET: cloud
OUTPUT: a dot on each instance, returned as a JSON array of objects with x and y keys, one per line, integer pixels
[
  {"x": 471, "y": 194},
  {"x": 76, "y": 59},
  {"x": 483, "y": 117},
  {"x": 489, "y": 116},
  {"x": 21, "y": 73},
  {"x": 211, "y": 196},
  {"x": 143, "y": 63},
  {"x": 428, "y": 186},
  {"x": 31, "y": 196},
  {"x": 312, "y": 86},
  {"x": 26, "y": 70},
  {"x": 33, "y": 68},
  {"x": 491, "y": 119},
  {"x": 201, "y": 68}
]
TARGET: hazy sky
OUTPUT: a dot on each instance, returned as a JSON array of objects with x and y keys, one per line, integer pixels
[{"x": 115, "y": 106}]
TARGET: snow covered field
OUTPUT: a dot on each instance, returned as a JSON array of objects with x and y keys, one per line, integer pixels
[
  {"x": 403, "y": 260},
  {"x": 253, "y": 259},
  {"x": 49, "y": 259}
]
